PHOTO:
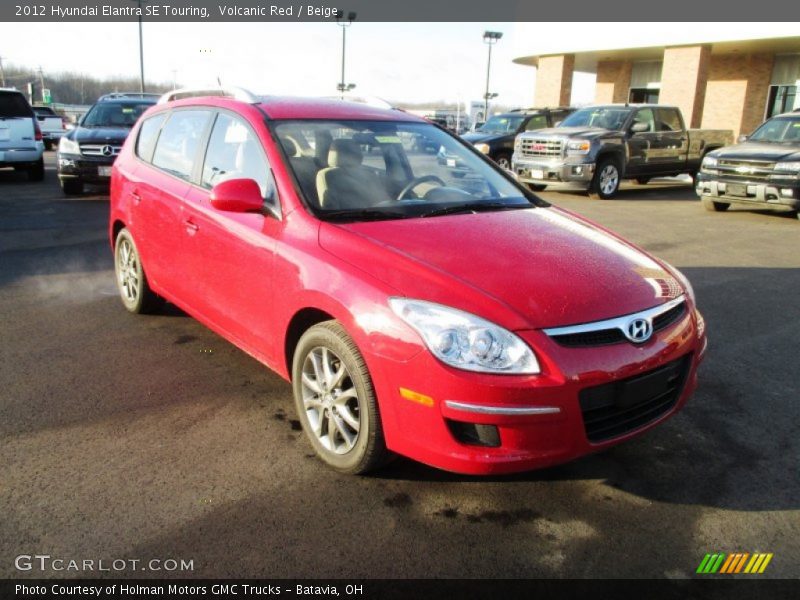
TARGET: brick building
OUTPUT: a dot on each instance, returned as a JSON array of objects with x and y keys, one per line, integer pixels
[{"x": 726, "y": 84}]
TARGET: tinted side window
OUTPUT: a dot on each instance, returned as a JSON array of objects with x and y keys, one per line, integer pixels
[
  {"x": 536, "y": 122},
  {"x": 668, "y": 120},
  {"x": 13, "y": 104},
  {"x": 148, "y": 134},
  {"x": 177, "y": 145},
  {"x": 235, "y": 153},
  {"x": 645, "y": 115}
]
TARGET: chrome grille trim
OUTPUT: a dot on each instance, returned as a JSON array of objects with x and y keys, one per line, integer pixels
[
  {"x": 618, "y": 323},
  {"x": 533, "y": 146},
  {"x": 97, "y": 149},
  {"x": 746, "y": 169}
]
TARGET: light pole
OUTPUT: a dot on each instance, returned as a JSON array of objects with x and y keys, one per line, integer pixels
[
  {"x": 490, "y": 38},
  {"x": 141, "y": 45},
  {"x": 344, "y": 24}
]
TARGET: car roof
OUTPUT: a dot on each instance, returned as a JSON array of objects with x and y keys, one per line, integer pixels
[{"x": 297, "y": 107}]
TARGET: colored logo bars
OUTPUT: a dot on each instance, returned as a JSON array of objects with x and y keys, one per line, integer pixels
[{"x": 740, "y": 562}]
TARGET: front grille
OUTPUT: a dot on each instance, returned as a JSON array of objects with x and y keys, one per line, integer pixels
[
  {"x": 100, "y": 150},
  {"x": 614, "y": 409},
  {"x": 604, "y": 337},
  {"x": 540, "y": 146},
  {"x": 746, "y": 170}
]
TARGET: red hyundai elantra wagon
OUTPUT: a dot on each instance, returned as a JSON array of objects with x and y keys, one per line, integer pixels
[{"x": 434, "y": 309}]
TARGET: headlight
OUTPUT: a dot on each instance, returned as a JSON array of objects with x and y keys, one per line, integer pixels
[
  {"x": 67, "y": 146},
  {"x": 578, "y": 147},
  {"x": 483, "y": 148},
  {"x": 709, "y": 162},
  {"x": 465, "y": 341},
  {"x": 790, "y": 167}
]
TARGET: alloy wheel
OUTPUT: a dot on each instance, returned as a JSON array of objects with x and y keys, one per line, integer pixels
[
  {"x": 609, "y": 179},
  {"x": 128, "y": 271}
]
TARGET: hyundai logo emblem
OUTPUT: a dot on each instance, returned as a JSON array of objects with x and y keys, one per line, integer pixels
[
  {"x": 107, "y": 150},
  {"x": 638, "y": 330}
]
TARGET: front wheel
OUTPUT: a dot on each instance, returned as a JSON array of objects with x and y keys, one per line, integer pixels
[
  {"x": 335, "y": 400},
  {"x": 503, "y": 161},
  {"x": 713, "y": 206},
  {"x": 605, "y": 182},
  {"x": 132, "y": 283}
]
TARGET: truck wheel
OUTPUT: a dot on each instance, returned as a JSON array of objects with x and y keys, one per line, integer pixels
[
  {"x": 72, "y": 187},
  {"x": 335, "y": 400},
  {"x": 713, "y": 206},
  {"x": 503, "y": 161},
  {"x": 36, "y": 172},
  {"x": 605, "y": 182},
  {"x": 537, "y": 187},
  {"x": 642, "y": 180},
  {"x": 48, "y": 145},
  {"x": 132, "y": 283}
]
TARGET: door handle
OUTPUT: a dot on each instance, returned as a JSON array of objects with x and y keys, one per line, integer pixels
[
  {"x": 191, "y": 226},
  {"x": 136, "y": 197}
]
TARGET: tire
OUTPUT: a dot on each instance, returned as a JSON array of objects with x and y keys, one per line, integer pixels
[
  {"x": 642, "y": 180},
  {"x": 324, "y": 395},
  {"x": 72, "y": 187},
  {"x": 36, "y": 172},
  {"x": 606, "y": 180},
  {"x": 537, "y": 187},
  {"x": 134, "y": 291},
  {"x": 713, "y": 206},
  {"x": 503, "y": 161},
  {"x": 48, "y": 145}
]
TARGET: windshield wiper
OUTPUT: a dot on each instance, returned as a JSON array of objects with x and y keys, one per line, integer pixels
[
  {"x": 473, "y": 207},
  {"x": 363, "y": 214}
]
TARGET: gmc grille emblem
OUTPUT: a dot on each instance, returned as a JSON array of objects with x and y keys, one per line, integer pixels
[{"x": 539, "y": 147}]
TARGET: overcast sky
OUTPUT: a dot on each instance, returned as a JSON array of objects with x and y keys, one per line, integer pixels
[{"x": 397, "y": 61}]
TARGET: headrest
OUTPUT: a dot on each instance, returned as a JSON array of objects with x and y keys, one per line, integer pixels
[
  {"x": 289, "y": 146},
  {"x": 344, "y": 153}
]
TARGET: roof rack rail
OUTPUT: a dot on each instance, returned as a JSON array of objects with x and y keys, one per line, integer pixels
[
  {"x": 116, "y": 95},
  {"x": 236, "y": 93}
]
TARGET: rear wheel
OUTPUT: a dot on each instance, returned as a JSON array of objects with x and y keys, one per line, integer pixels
[
  {"x": 503, "y": 161},
  {"x": 713, "y": 206},
  {"x": 605, "y": 182},
  {"x": 335, "y": 400},
  {"x": 132, "y": 283},
  {"x": 72, "y": 187},
  {"x": 642, "y": 180},
  {"x": 36, "y": 172},
  {"x": 48, "y": 145}
]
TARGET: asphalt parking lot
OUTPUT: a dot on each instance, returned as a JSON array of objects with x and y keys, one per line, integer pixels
[{"x": 153, "y": 438}]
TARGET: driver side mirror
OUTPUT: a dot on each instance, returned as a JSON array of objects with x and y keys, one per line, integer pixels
[
  {"x": 237, "y": 195},
  {"x": 742, "y": 138},
  {"x": 640, "y": 127}
]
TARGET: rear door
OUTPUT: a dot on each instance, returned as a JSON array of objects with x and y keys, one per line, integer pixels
[
  {"x": 674, "y": 138},
  {"x": 16, "y": 123}
]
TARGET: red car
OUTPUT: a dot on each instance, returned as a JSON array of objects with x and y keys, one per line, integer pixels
[{"x": 438, "y": 311}]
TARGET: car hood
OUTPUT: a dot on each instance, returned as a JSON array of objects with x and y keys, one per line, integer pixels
[
  {"x": 476, "y": 137},
  {"x": 100, "y": 135},
  {"x": 760, "y": 151},
  {"x": 523, "y": 269},
  {"x": 573, "y": 132}
]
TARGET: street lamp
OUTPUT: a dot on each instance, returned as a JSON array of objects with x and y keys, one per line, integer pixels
[
  {"x": 490, "y": 38},
  {"x": 344, "y": 24},
  {"x": 141, "y": 46}
]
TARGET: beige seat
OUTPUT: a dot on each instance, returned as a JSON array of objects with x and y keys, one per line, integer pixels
[{"x": 346, "y": 183}]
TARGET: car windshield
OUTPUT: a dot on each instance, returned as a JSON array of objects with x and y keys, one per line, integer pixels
[
  {"x": 610, "y": 118},
  {"x": 115, "y": 114},
  {"x": 367, "y": 170},
  {"x": 501, "y": 125},
  {"x": 780, "y": 130}
]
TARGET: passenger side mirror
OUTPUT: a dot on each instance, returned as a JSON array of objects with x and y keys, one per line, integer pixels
[
  {"x": 237, "y": 195},
  {"x": 742, "y": 138},
  {"x": 640, "y": 127}
]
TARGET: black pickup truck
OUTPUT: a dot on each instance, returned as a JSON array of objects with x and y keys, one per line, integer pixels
[
  {"x": 761, "y": 172},
  {"x": 598, "y": 146}
]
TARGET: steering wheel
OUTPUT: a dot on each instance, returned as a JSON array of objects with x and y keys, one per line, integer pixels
[{"x": 417, "y": 181}]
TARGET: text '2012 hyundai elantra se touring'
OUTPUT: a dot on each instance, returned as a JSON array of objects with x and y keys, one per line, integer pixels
[{"x": 437, "y": 311}]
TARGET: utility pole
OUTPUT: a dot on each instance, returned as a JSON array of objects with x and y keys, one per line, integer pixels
[
  {"x": 490, "y": 38},
  {"x": 41, "y": 83},
  {"x": 141, "y": 51},
  {"x": 2, "y": 74}
]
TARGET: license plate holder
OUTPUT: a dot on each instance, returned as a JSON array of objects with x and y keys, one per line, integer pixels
[
  {"x": 104, "y": 171},
  {"x": 736, "y": 189},
  {"x": 537, "y": 174}
]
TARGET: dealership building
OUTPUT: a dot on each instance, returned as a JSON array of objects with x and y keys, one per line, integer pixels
[{"x": 722, "y": 84}]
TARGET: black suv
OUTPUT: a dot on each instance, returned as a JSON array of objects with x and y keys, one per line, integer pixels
[
  {"x": 86, "y": 153},
  {"x": 495, "y": 138}
]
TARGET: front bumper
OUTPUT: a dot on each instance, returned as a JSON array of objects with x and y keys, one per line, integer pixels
[
  {"x": 90, "y": 169},
  {"x": 776, "y": 194},
  {"x": 538, "y": 420},
  {"x": 21, "y": 157},
  {"x": 547, "y": 172}
]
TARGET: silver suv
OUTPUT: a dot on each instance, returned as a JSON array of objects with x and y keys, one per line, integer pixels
[{"x": 21, "y": 145}]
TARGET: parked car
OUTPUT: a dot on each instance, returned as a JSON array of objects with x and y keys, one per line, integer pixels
[
  {"x": 52, "y": 124},
  {"x": 495, "y": 138},
  {"x": 21, "y": 145},
  {"x": 595, "y": 148},
  {"x": 86, "y": 153},
  {"x": 761, "y": 172},
  {"x": 461, "y": 322}
]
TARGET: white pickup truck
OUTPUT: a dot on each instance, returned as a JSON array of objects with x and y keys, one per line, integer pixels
[{"x": 53, "y": 125}]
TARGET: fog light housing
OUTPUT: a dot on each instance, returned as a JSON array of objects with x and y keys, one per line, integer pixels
[
  {"x": 577, "y": 170},
  {"x": 474, "y": 434},
  {"x": 787, "y": 193}
]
